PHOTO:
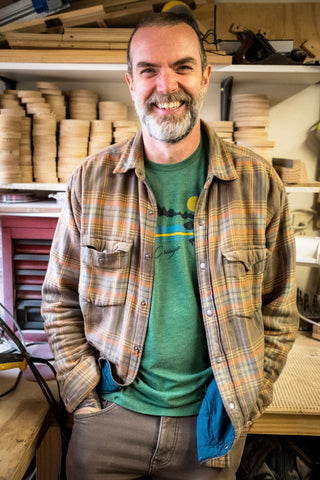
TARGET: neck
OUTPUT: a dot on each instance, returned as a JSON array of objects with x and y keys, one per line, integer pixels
[{"x": 162, "y": 152}]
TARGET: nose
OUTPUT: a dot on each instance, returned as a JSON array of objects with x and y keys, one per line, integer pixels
[{"x": 167, "y": 81}]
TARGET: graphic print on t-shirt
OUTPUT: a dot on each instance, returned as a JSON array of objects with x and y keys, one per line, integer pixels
[{"x": 182, "y": 226}]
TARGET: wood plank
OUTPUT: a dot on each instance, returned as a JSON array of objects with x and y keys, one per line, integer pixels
[
  {"x": 98, "y": 34},
  {"x": 82, "y": 56},
  {"x": 127, "y": 16},
  {"x": 285, "y": 424},
  {"x": 38, "y": 37},
  {"x": 63, "y": 56},
  {"x": 80, "y": 40},
  {"x": 220, "y": 59},
  {"x": 49, "y": 454},
  {"x": 120, "y": 4},
  {"x": 312, "y": 48},
  {"x": 69, "y": 19},
  {"x": 65, "y": 45}
]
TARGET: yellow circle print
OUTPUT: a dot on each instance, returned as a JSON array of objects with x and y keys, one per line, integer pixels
[{"x": 191, "y": 203}]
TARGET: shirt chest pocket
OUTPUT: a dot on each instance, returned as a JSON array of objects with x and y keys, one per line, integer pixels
[
  {"x": 244, "y": 270},
  {"x": 104, "y": 272}
]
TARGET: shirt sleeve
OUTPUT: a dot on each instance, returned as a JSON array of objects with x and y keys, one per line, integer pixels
[
  {"x": 279, "y": 290},
  {"x": 75, "y": 359}
]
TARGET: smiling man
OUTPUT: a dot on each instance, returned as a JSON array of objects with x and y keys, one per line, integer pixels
[{"x": 169, "y": 300}]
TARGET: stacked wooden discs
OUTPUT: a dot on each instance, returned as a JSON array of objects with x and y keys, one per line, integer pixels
[
  {"x": 83, "y": 105},
  {"x": 73, "y": 146},
  {"x": 113, "y": 111},
  {"x": 9, "y": 100},
  {"x": 55, "y": 98},
  {"x": 10, "y": 136},
  {"x": 44, "y": 148},
  {"x": 26, "y": 163},
  {"x": 251, "y": 117},
  {"x": 33, "y": 102},
  {"x": 123, "y": 129},
  {"x": 13, "y": 108},
  {"x": 224, "y": 129},
  {"x": 100, "y": 135}
]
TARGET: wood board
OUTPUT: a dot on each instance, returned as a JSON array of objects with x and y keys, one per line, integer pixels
[
  {"x": 82, "y": 56},
  {"x": 296, "y": 21},
  {"x": 75, "y": 18}
]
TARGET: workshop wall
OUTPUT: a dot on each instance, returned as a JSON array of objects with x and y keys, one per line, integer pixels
[{"x": 299, "y": 22}]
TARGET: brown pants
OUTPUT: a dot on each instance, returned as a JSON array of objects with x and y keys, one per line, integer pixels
[{"x": 119, "y": 444}]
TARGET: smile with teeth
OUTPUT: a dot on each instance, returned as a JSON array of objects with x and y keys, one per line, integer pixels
[{"x": 169, "y": 105}]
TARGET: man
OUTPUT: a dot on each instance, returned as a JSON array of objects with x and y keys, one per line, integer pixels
[{"x": 169, "y": 300}]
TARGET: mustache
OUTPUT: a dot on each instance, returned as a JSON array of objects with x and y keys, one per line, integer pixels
[{"x": 179, "y": 96}]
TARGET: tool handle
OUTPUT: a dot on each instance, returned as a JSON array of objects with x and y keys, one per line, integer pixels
[{"x": 225, "y": 98}]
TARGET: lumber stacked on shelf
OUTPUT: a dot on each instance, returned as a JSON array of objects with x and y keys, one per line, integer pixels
[{"x": 97, "y": 34}]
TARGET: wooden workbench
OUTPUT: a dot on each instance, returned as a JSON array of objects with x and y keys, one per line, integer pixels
[
  {"x": 295, "y": 409},
  {"x": 27, "y": 430}
]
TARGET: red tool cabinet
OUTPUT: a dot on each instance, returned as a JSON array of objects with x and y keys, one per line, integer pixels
[{"x": 26, "y": 243}]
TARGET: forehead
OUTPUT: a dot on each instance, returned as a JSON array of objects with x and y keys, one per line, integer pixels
[{"x": 164, "y": 43}]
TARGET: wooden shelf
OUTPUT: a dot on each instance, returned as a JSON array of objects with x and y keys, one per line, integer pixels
[
  {"x": 312, "y": 187},
  {"x": 40, "y": 187},
  {"x": 82, "y": 71}
]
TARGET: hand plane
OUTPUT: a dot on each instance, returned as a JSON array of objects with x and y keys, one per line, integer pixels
[{"x": 256, "y": 49}]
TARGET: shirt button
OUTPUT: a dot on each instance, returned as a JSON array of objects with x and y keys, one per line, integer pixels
[
  {"x": 150, "y": 212},
  {"x": 136, "y": 348},
  {"x": 232, "y": 406},
  {"x": 101, "y": 260},
  {"x": 219, "y": 360},
  {"x": 201, "y": 223},
  {"x": 143, "y": 303},
  {"x": 147, "y": 256},
  {"x": 203, "y": 266},
  {"x": 209, "y": 312}
]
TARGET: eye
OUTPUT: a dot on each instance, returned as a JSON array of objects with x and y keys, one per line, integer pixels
[
  {"x": 184, "y": 69},
  {"x": 147, "y": 72}
]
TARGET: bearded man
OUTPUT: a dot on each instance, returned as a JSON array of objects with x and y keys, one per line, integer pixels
[{"x": 169, "y": 300}]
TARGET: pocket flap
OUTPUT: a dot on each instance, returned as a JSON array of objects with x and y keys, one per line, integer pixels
[
  {"x": 247, "y": 257},
  {"x": 106, "y": 246}
]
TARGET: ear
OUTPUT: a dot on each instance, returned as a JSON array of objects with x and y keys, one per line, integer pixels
[
  {"x": 206, "y": 76},
  {"x": 129, "y": 81}
]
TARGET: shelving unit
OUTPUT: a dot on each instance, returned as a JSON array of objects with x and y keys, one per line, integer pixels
[
  {"x": 283, "y": 81},
  {"x": 294, "y": 93}
]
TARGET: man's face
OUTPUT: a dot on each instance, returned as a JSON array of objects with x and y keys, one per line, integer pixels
[{"x": 167, "y": 84}]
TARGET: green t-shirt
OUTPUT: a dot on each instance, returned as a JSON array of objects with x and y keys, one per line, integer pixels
[{"x": 175, "y": 366}]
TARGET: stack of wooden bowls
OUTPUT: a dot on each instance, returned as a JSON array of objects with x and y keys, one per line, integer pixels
[
  {"x": 55, "y": 98},
  {"x": 224, "y": 129},
  {"x": 251, "y": 117},
  {"x": 83, "y": 105},
  {"x": 100, "y": 135},
  {"x": 124, "y": 129},
  {"x": 44, "y": 148},
  {"x": 73, "y": 146},
  {"x": 113, "y": 111},
  {"x": 10, "y": 136}
]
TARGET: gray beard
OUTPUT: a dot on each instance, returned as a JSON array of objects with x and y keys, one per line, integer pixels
[{"x": 169, "y": 128}]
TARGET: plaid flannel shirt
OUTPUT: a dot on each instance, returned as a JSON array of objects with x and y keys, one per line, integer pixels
[{"x": 98, "y": 287}]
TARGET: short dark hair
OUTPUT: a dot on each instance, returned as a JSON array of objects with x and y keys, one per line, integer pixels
[{"x": 164, "y": 19}]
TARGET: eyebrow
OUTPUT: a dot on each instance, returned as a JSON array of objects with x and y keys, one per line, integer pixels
[{"x": 181, "y": 61}]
